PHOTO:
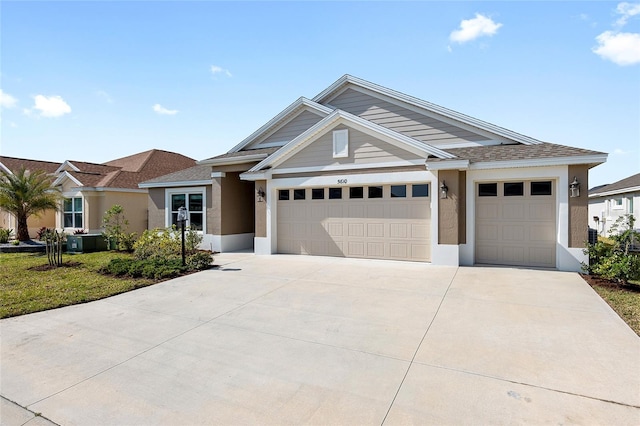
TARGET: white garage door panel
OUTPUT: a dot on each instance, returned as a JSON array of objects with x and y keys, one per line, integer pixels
[
  {"x": 380, "y": 228},
  {"x": 516, "y": 230}
]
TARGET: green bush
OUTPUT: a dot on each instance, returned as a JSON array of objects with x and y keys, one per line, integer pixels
[
  {"x": 150, "y": 268},
  {"x": 5, "y": 234},
  {"x": 198, "y": 261},
  {"x": 613, "y": 259},
  {"x": 166, "y": 244}
]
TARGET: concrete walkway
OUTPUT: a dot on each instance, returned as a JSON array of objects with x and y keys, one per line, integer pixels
[{"x": 317, "y": 340}]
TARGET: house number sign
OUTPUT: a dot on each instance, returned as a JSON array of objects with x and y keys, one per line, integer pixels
[{"x": 342, "y": 181}]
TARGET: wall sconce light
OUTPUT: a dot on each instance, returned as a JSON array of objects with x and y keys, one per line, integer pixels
[
  {"x": 261, "y": 195},
  {"x": 574, "y": 187},
  {"x": 443, "y": 190}
]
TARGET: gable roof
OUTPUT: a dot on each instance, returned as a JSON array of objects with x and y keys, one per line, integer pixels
[
  {"x": 629, "y": 184},
  {"x": 196, "y": 175},
  {"x": 429, "y": 108},
  {"x": 14, "y": 164}
]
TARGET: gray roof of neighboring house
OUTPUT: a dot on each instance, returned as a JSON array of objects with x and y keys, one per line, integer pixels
[
  {"x": 192, "y": 174},
  {"x": 620, "y": 186},
  {"x": 240, "y": 154},
  {"x": 478, "y": 154}
]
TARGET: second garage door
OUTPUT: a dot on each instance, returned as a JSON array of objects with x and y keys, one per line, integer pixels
[
  {"x": 381, "y": 222},
  {"x": 516, "y": 223}
]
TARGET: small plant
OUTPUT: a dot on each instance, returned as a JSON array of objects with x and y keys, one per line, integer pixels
[
  {"x": 41, "y": 233},
  {"x": 199, "y": 260},
  {"x": 79, "y": 232},
  {"x": 54, "y": 241},
  {"x": 5, "y": 234},
  {"x": 15, "y": 242},
  {"x": 614, "y": 259},
  {"x": 115, "y": 229}
]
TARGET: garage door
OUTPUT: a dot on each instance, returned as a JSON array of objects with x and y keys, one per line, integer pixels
[
  {"x": 381, "y": 222},
  {"x": 516, "y": 223}
]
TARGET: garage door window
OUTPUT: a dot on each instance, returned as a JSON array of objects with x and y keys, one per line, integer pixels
[
  {"x": 298, "y": 194},
  {"x": 513, "y": 189},
  {"x": 398, "y": 191},
  {"x": 419, "y": 191},
  {"x": 541, "y": 188},
  {"x": 487, "y": 190},
  {"x": 317, "y": 194},
  {"x": 283, "y": 195},
  {"x": 335, "y": 193},
  {"x": 375, "y": 192},
  {"x": 356, "y": 192}
]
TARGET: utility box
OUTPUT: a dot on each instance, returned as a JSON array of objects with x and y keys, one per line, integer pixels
[
  {"x": 593, "y": 236},
  {"x": 86, "y": 243}
]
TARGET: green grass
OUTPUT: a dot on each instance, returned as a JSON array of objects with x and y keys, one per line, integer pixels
[
  {"x": 25, "y": 287},
  {"x": 625, "y": 302}
]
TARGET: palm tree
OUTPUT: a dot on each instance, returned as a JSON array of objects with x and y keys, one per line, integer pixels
[{"x": 25, "y": 193}]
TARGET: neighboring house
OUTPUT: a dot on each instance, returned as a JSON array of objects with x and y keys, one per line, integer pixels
[
  {"x": 608, "y": 202},
  {"x": 364, "y": 171},
  {"x": 90, "y": 189},
  {"x": 45, "y": 219}
]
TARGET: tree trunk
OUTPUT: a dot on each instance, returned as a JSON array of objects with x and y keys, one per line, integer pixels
[{"x": 22, "y": 233}]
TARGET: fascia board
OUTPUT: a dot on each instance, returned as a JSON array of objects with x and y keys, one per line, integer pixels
[
  {"x": 256, "y": 176},
  {"x": 66, "y": 164},
  {"x": 347, "y": 167},
  {"x": 445, "y": 114},
  {"x": 448, "y": 165},
  {"x": 65, "y": 175},
  {"x": 107, "y": 189},
  {"x": 541, "y": 162},
  {"x": 173, "y": 184},
  {"x": 5, "y": 169},
  {"x": 288, "y": 110},
  {"x": 616, "y": 192},
  {"x": 233, "y": 160}
]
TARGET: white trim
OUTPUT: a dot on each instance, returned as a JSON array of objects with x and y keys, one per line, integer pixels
[
  {"x": 302, "y": 101},
  {"x": 448, "y": 165},
  {"x": 357, "y": 179},
  {"x": 445, "y": 113},
  {"x": 341, "y": 143},
  {"x": 185, "y": 190},
  {"x": 271, "y": 144},
  {"x": 227, "y": 243},
  {"x": 66, "y": 175},
  {"x": 345, "y": 167},
  {"x": 261, "y": 246},
  {"x": 107, "y": 189},
  {"x": 174, "y": 184},
  {"x": 64, "y": 165},
  {"x": 216, "y": 175},
  {"x": 615, "y": 192},
  {"x": 264, "y": 175},
  {"x": 5, "y": 169},
  {"x": 234, "y": 160},
  {"x": 540, "y": 162}
]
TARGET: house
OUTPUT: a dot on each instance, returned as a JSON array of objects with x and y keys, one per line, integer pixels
[
  {"x": 608, "y": 202},
  {"x": 364, "y": 171},
  {"x": 90, "y": 189}
]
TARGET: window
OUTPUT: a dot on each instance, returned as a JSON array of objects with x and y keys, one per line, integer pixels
[
  {"x": 317, "y": 194},
  {"x": 335, "y": 193},
  {"x": 513, "y": 189},
  {"x": 375, "y": 192},
  {"x": 298, "y": 194},
  {"x": 340, "y": 143},
  {"x": 616, "y": 203},
  {"x": 356, "y": 192},
  {"x": 541, "y": 188},
  {"x": 420, "y": 190},
  {"x": 398, "y": 191},
  {"x": 194, "y": 203},
  {"x": 487, "y": 190},
  {"x": 283, "y": 195},
  {"x": 72, "y": 212}
]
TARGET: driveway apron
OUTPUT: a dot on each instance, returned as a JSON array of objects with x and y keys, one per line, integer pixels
[{"x": 318, "y": 340}]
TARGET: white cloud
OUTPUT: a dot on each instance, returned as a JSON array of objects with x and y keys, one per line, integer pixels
[
  {"x": 104, "y": 95},
  {"x": 620, "y": 48},
  {"x": 6, "y": 100},
  {"x": 471, "y": 29},
  {"x": 52, "y": 106},
  {"x": 627, "y": 10},
  {"x": 163, "y": 111},
  {"x": 219, "y": 70}
]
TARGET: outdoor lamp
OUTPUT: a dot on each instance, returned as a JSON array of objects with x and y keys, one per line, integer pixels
[
  {"x": 443, "y": 190},
  {"x": 182, "y": 218},
  {"x": 574, "y": 187},
  {"x": 261, "y": 195}
]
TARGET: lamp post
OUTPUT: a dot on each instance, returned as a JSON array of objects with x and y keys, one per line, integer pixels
[{"x": 182, "y": 218}]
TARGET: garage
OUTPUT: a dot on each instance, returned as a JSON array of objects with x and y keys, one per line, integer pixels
[
  {"x": 377, "y": 221},
  {"x": 516, "y": 223}
]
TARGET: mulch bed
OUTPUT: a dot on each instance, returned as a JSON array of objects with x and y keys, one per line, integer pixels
[{"x": 593, "y": 280}]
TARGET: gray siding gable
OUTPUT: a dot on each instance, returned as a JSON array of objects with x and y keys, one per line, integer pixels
[
  {"x": 299, "y": 122},
  {"x": 404, "y": 120}
]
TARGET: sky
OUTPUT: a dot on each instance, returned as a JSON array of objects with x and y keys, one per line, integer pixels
[{"x": 94, "y": 81}]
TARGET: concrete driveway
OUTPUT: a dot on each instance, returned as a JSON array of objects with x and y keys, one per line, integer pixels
[{"x": 317, "y": 340}]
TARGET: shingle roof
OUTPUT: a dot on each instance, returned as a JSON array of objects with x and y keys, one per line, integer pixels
[
  {"x": 619, "y": 186},
  {"x": 240, "y": 154},
  {"x": 516, "y": 152},
  {"x": 14, "y": 164},
  {"x": 192, "y": 174}
]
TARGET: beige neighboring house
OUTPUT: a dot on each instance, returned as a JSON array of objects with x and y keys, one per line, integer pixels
[
  {"x": 609, "y": 202},
  {"x": 90, "y": 189},
  {"x": 364, "y": 171}
]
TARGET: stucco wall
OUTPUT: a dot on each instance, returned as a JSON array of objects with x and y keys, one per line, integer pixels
[
  {"x": 238, "y": 205},
  {"x": 261, "y": 210},
  {"x": 579, "y": 207},
  {"x": 155, "y": 207},
  {"x": 449, "y": 210}
]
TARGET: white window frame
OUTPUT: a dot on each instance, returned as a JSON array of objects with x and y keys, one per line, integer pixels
[
  {"x": 186, "y": 191},
  {"x": 341, "y": 143},
  {"x": 617, "y": 203},
  {"x": 73, "y": 211}
]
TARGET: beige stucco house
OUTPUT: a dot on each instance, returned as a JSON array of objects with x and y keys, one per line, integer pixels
[
  {"x": 364, "y": 171},
  {"x": 609, "y": 202},
  {"x": 90, "y": 189}
]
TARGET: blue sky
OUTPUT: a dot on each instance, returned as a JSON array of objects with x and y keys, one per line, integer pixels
[{"x": 94, "y": 81}]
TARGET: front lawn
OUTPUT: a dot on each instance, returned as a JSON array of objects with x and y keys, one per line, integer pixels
[
  {"x": 28, "y": 284},
  {"x": 624, "y": 300}
]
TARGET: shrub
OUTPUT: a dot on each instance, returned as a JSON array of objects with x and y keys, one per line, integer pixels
[
  {"x": 166, "y": 243},
  {"x": 79, "y": 232},
  {"x": 613, "y": 259},
  {"x": 150, "y": 268},
  {"x": 115, "y": 229},
  {"x": 199, "y": 260},
  {"x": 42, "y": 233},
  {"x": 5, "y": 234}
]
